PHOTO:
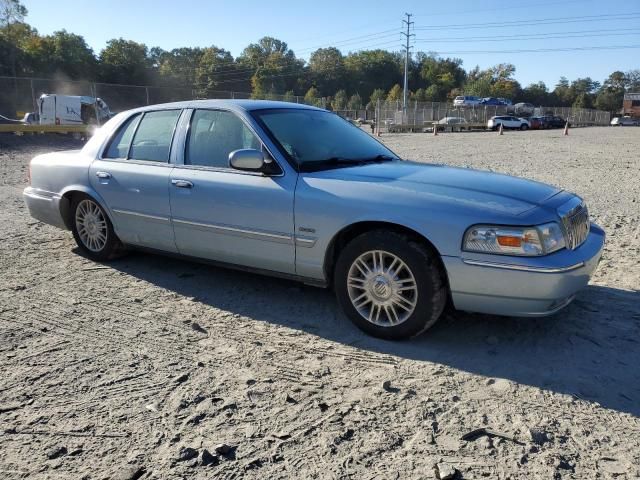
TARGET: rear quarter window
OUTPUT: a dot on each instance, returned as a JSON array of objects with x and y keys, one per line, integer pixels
[{"x": 121, "y": 140}]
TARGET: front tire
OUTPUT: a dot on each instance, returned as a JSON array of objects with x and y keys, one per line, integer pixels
[
  {"x": 390, "y": 285},
  {"x": 524, "y": 127},
  {"x": 92, "y": 229}
]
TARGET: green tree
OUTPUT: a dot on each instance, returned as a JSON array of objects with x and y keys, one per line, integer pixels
[
  {"x": 355, "y": 102},
  {"x": 378, "y": 95},
  {"x": 339, "y": 101},
  {"x": 311, "y": 97},
  {"x": 505, "y": 88},
  {"x": 609, "y": 99},
  {"x": 563, "y": 92},
  {"x": 611, "y": 95},
  {"x": 583, "y": 100},
  {"x": 419, "y": 95},
  {"x": 289, "y": 96},
  {"x": 433, "y": 93},
  {"x": 327, "y": 70},
  {"x": 124, "y": 61},
  {"x": 368, "y": 70},
  {"x": 536, "y": 93},
  {"x": 276, "y": 67},
  {"x": 12, "y": 14},
  {"x": 441, "y": 75},
  {"x": 395, "y": 93},
  {"x": 178, "y": 67},
  {"x": 633, "y": 80},
  {"x": 215, "y": 66},
  {"x": 480, "y": 87},
  {"x": 63, "y": 53}
]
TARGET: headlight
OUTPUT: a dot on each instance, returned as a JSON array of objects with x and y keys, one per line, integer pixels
[{"x": 523, "y": 241}]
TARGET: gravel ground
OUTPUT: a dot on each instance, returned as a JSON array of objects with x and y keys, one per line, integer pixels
[{"x": 141, "y": 368}]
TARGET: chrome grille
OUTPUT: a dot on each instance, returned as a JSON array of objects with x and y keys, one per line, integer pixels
[{"x": 576, "y": 226}]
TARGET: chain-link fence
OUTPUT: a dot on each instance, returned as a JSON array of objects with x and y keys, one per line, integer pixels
[
  {"x": 390, "y": 116},
  {"x": 19, "y": 95}
]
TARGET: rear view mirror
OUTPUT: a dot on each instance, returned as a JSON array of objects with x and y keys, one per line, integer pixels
[{"x": 247, "y": 159}]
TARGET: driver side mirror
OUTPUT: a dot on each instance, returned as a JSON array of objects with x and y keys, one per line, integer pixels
[{"x": 251, "y": 160}]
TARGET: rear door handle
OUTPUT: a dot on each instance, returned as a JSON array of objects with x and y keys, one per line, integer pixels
[
  {"x": 103, "y": 175},
  {"x": 182, "y": 183}
]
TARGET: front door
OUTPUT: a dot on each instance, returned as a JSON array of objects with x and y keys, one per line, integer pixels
[
  {"x": 133, "y": 179},
  {"x": 227, "y": 215}
]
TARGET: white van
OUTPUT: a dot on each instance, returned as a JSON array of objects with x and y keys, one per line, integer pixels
[
  {"x": 71, "y": 110},
  {"x": 466, "y": 101}
]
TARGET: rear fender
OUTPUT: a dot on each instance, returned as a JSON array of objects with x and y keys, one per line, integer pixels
[{"x": 65, "y": 203}]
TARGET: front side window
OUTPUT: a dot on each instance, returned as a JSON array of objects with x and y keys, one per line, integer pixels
[
  {"x": 213, "y": 135},
  {"x": 319, "y": 139},
  {"x": 152, "y": 140}
]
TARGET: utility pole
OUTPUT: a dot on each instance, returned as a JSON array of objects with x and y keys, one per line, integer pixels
[{"x": 408, "y": 35}]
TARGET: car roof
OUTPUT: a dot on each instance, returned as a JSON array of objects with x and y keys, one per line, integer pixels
[{"x": 236, "y": 105}]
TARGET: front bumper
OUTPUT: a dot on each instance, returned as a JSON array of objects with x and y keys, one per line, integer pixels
[
  {"x": 44, "y": 206},
  {"x": 523, "y": 286}
]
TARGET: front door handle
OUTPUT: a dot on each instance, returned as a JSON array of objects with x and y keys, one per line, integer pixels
[
  {"x": 182, "y": 183},
  {"x": 103, "y": 175}
]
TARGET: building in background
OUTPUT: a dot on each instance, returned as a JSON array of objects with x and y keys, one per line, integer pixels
[{"x": 631, "y": 104}]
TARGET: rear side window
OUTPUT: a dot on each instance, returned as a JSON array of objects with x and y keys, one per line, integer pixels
[
  {"x": 152, "y": 140},
  {"x": 119, "y": 146}
]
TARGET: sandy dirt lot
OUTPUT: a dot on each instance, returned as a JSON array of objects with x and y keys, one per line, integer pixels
[{"x": 140, "y": 368}]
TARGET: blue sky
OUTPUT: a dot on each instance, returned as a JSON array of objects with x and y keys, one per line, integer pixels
[{"x": 464, "y": 27}]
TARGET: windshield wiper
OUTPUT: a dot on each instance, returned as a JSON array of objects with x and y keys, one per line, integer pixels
[{"x": 336, "y": 162}]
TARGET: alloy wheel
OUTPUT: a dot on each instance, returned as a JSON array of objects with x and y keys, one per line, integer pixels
[
  {"x": 382, "y": 288},
  {"x": 91, "y": 225}
]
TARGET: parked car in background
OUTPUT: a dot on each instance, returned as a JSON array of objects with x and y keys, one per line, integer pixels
[
  {"x": 523, "y": 108},
  {"x": 553, "y": 121},
  {"x": 507, "y": 122},
  {"x": 298, "y": 192},
  {"x": 455, "y": 122},
  {"x": 466, "y": 101},
  {"x": 625, "y": 122},
  {"x": 535, "y": 123},
  {"x": 505, "y": 101},
  {"x": 491, "y": 101}
]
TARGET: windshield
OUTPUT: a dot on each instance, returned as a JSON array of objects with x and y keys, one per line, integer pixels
[{"x": 317, "y": 139}]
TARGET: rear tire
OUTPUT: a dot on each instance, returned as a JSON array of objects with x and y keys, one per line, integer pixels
[
  {"x": 92, "y": 229},
  {"x": 390, "y": 285},
  {"x": 524, "y": 127}
]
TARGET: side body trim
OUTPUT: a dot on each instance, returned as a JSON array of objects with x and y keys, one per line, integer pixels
[
  {"x": 241, "y": 232},
  {"x": 143, "y": 215}
]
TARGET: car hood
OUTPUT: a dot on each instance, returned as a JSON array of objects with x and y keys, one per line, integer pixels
[{"x": 464, "y": 186}]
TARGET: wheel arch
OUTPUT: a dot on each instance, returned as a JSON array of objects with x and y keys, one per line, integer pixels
[
  {"x": 66, "y": 199},
  {"x": 349, "y": 232}
]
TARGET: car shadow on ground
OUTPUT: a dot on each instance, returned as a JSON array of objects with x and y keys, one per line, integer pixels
[{"x": 590, "y": 350}]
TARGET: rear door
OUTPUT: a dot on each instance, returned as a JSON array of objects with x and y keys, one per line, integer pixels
[
  {"x": 227, "y": 215},
  {"x": 47, "y": 110},
  {"x": 132, "y": 176}
]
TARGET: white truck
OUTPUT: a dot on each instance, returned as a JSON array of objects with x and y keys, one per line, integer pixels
[{"x": 71, "y": 110}]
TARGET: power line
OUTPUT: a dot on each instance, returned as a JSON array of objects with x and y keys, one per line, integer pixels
[
  {"x": 381, "y": 34},
  {"x": 541, "y": 50},
  {"x": 540, "y": 21},
  {"x": 526, "y": 37},
  {"x": 499, "y": 9}
]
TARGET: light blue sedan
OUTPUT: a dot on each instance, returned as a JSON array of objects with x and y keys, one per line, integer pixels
[{"x": 296, "y": 191}]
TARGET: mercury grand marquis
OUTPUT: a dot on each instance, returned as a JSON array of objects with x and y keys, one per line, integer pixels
[{"x": 296, "y": 191}]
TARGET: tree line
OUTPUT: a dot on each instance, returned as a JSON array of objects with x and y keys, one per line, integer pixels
[{"x": 269, "y": 68}]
